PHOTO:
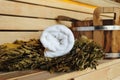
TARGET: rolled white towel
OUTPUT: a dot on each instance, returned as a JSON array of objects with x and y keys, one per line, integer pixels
[{"x": 58, "y": 40}]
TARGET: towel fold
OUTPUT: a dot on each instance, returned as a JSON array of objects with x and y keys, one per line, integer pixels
[{"x": 58, "y": 40}]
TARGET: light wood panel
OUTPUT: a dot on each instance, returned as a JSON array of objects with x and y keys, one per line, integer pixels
[
  {"x": 114, "y": 71},
  {"x": 37, "y": 11},
  {"x": 7, "y": 37},
  {"x": 44, "y": 75},
  {"x": 61, "y": 4},
  {"x": 100, "y": 3},
  {"x": 12, "y": 74},
  {"x": 96, "y": 75},
  {"x": 107, "y": 70},
  {"x": 117, "y": 78},
  {"x": 50, "y": 6},
  {"x": 8, "y": 22}
]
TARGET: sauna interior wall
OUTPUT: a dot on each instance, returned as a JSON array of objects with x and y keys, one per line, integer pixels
[{"x": 36, "y": 15}]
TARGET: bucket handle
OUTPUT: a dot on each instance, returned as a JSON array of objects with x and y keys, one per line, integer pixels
[{"x": 99, "y": 10}]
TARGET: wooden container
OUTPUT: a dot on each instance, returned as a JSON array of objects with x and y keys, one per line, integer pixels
[{"x": 109, "y": 40}]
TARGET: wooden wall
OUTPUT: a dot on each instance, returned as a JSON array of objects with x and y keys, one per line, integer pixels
[{"x": 36, "y": 15}]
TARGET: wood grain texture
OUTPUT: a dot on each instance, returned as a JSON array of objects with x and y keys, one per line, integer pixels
[
  {"x": 37, "y": 11},
  {"x": 8, "y": 75},
  {"x": 116, "y": 41},
  {"x": 108, "y": 41},
  {"x": 7, "y": 37},
  {"x": 99, "y": 35},
  {"x": 107, "y": 70},
  {"x": 100, "y": 3},
  {"x": 96, "y": 75},
  {"x": 62, "y": 4},
  {"x": 114, "y": 71},
  {"x": 78, "y": 34},
  {"x": 117, "y": 78},
  {"x": 43, "y": 75},
  {"x": 115, "y": 34},
  {"x": 8, "y": 22}
]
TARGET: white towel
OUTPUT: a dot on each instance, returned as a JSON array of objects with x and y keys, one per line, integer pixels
[{"x": 58, "y": 40}]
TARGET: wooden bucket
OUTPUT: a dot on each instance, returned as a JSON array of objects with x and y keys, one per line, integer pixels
[{"x": 110, "y": 39}]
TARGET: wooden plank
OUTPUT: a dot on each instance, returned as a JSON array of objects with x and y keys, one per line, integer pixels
[
  {"x": 6, "y": 37},
  {"x": 115, "y": 34},
  {"x": 100, "y": 3},
  {"x": 71, "y": 5},
  {"x": 54, "y": 76},
  {"x": 114, "y": 71},
  {"x": 43, "y": 11},
  {"x": 117, "y": 78},
  {"x": 62, "y": 4},
  {"x": 98, "y": 36},
  {"x": 101, "y": 72},
  {"x": 7, "y": 22},
  {"x": 96, "y": 75},
  {"x": 107, "y": 40},
  {"x": 37, "y": 11},
  {"x": 36, "y": 76},
  {"x": 7, "y": 75},
  {"x": 116, "y": 41},
  {"x": 103, "y": 64}
]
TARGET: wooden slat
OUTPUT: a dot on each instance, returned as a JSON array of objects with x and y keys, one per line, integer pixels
[
  {"x": 7, "y": 75},
  {"x": 116, "y": 41},
  {"x": 23, "y": 11},
  {"x": 96, "y": 75},
  {"x": 114, "y": 71},
  {"x": 37, "y": 76},
  {"x": 6, "y": 37},
  {"x": 100, "y": 3},
  {"x": 102, "y": 73},
  {"x": 117, "y": 78},
  {"x": 7, "y": 22},
  {"x": 98, "y": 36},
  {"x": 40, "y": 11},
  {"x": 115, "y": 34},
  {"x": 62, "y": 4},
  {"x": 37, "y": 11},
  {"x": 108, "y": 70},
  {"x": 71, "y": 6},
  {"x": 102, "y": 65}
]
